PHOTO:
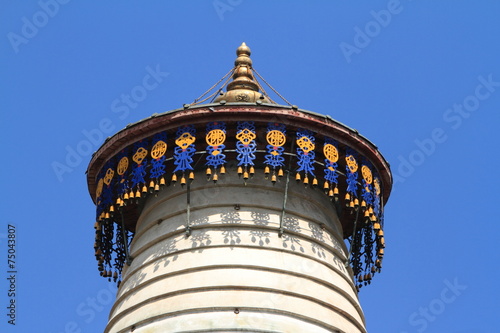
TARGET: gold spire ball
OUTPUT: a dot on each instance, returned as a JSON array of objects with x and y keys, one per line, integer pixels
[{"x": 243, "y": 88}]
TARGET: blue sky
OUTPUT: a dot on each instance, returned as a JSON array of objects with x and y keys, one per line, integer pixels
[{"x": 421, "y": 79}]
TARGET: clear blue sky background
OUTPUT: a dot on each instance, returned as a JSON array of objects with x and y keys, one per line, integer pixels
[{"x": 396, "y": 81}]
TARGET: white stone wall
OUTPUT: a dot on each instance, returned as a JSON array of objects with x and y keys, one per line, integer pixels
[{"x": 234, "y": 273}]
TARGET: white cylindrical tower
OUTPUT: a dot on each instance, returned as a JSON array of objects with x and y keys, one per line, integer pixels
[{"x": 238, "y": 216}]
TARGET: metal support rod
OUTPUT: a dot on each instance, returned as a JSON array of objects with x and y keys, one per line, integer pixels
[
  {"x": 283, "y": 211},
  {"x": 285, "y": 196},
  {"x": 188, "y": 209}
]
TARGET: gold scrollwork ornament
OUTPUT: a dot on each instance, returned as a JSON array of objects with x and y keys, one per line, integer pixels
[
  {"x": 216, "y": 137},
  {"x": 305, "y": 144},
  {"x": 98, "y": 190},
  {"x": 159, "y": 149},
  {"x": 140, "y": 155},
  {"x": 351, "y": 163},
  {"x": 276, "y": 138},
  {"x": 108, "y": 176},
  {"x": 245, "y": 136},
  {"x": 185, "y": 140},
  {"x": 376, "y": 185},
  {"x": 367, "y": 174},
  {"x": 122, "y": 166},
  {"x": 331, "y": 153}
]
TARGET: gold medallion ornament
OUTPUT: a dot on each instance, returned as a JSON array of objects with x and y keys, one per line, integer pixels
[
  {"x": 245, "y": 136},
  {"x": 109, "y": 175},
  {"x": 216, "y": 137},
  {"x": 98, "y": 191},
  {"x": 276, "y": 139},
  {"x": 140, "y": 155},
  {"x": 185, "y": 140},
  {"x": 376, "y": 184},
  {"x": 159, "y": 149},
  {"x": 305, "y": 144},
  {"x": 367, "y": 174},
  {"x": 351, "y": 163},
  {"x": 331, "y": 153},
  {"x": 122, "y": 166}
]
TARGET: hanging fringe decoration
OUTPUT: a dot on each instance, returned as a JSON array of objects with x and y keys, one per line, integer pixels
[
  {"x": 355, "y": 260},
  {"x": 104, "y": 193},
  {"x": 122, "y": 175},
  {"x": 276, "y": 138},
  {"x": 351, "y": 197},
  {"x": 138, "y": 186},
  {"x": 215, "y": 138},
  {"x": 106, "y": 237},
  {"x": 183, "y": 153},
  {"x": 130, "y": 174},
  {"x": 367, "y": 194},
  {"x": 158, "y": 162},
  {"x": 376, "y": 201},
  {"x": 305, "y": 154},
  {"x": 331, "y": 152},
  {"x": 120, "y": 256},
  {"x": 245, "y": 147},
  {"x": 378, "y": 224}
]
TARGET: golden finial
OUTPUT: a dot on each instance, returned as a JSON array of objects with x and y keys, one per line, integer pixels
[{"x": 243, "y": 88}]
